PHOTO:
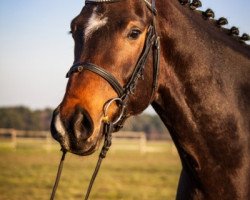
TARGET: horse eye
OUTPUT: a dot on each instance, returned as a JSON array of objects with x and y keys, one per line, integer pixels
[{"x": 134, "y": 34}]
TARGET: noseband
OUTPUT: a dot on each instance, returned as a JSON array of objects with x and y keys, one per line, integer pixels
[{"x": 109, "y": 126}]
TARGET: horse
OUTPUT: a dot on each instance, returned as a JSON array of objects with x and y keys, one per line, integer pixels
[{"x": 195, "y": 74}]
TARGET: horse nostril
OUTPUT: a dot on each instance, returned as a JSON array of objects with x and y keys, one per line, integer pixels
[{"x": 83, "y": 125}]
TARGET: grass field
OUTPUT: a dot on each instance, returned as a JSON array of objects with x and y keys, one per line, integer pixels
[{"x": 28, "y": 172}]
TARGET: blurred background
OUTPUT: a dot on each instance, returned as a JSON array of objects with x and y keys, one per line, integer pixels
[{"x": 35, "y": 53}]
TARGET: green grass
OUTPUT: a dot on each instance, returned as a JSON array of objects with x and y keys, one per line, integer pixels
[{"x": 28, "y": 172}]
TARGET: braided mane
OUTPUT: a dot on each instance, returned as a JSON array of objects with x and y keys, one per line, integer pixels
[{"x": 210, "y": 15}]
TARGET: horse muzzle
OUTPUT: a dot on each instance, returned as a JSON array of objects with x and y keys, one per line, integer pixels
[{"x": 74, "y": 132}]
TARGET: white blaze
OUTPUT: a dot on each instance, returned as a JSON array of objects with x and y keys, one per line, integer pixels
[{"x": 94, "y": 23}]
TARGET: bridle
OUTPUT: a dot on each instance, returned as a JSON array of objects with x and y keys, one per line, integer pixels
[{"x": 109, "y": 126}]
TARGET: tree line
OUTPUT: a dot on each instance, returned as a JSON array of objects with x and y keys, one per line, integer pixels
[{"x": 24, "y": 118}]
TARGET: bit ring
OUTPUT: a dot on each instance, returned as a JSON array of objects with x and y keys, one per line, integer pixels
[{"x": 106, "y": 107}]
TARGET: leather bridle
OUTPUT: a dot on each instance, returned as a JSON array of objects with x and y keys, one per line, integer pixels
[{"x": 152, "y": 42}]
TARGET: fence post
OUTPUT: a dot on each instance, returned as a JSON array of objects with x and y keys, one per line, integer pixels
[
  {"x": 48, "y": 141},
  {"x": 142, "y": 144},
  {"x": 13, "y": 138}
]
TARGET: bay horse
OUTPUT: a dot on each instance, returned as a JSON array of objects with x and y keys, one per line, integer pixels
[{"x": 198, "y": 83}]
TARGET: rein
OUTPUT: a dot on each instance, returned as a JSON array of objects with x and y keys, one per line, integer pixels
[
  {"x": 109, "y": 126},
  {"x": 107, "y": 131}
]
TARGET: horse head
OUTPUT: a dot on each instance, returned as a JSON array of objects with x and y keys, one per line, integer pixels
[{"x": 112, "y": 71}]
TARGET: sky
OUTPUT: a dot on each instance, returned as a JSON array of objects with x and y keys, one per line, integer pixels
[{"x": 36, "y": 50}]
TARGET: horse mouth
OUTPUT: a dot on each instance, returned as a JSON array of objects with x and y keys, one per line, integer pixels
[
  {"x": 81, "y": 148},
  {"x": 81, "y": 152}
]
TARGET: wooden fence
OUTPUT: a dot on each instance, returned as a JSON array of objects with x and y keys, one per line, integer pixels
[{"x": 137, "y": 139}]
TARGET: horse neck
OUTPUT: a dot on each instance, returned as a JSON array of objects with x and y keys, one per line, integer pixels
[{"x": 201, "y": 68}]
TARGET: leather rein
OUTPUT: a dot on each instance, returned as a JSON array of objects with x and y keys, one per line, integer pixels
[{"x": 109, "y": 126}]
